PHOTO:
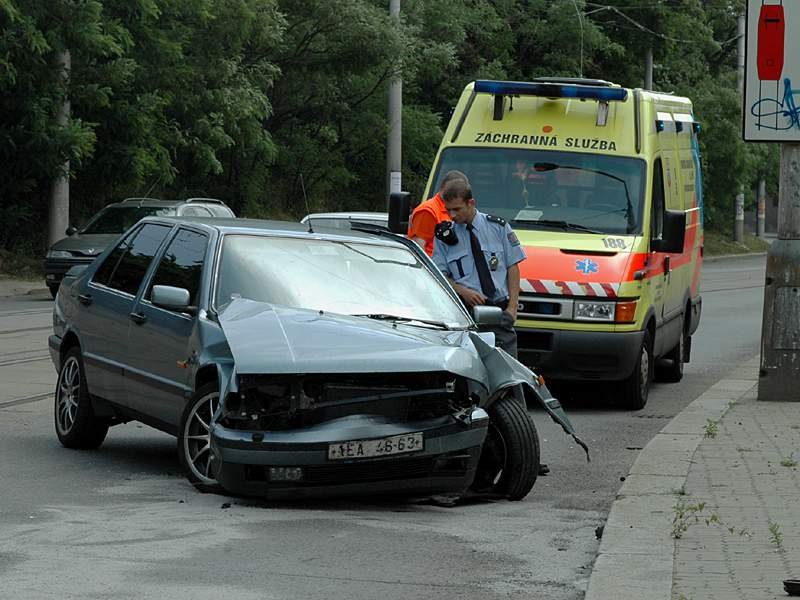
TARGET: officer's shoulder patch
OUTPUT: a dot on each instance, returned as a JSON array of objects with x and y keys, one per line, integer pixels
[
  {"x": 513, "y": 239},
  {"x": 498, "y": 220}
]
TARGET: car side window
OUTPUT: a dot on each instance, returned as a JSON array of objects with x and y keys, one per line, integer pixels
[
  {"x": 132, "y": 266},
  {"x": 657, "y": 215},
  {"x": 182, "y": 263},
  {"x": 105, "y": 272}
]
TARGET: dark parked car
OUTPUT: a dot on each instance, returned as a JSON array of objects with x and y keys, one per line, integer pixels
[
  {"x": 293, "y": 363},
  {"x": 83, "y": 246},
  {"x": 344, "y": 220}
]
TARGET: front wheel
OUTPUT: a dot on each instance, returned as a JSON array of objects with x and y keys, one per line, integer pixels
[
  {"x": 509, "y": 461},
  {"x": 636, "y": 388},
  {"x": 76, "y": 425},
  {"x": 194, "y": 439}
]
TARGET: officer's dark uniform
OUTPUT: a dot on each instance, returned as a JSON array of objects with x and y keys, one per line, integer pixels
[{"x": 479, "y": 259}]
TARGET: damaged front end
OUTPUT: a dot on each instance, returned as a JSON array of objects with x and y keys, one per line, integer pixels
[{"x": 281, "y": 435}]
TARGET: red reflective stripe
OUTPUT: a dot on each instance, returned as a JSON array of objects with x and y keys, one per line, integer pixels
[
  {"x": 588, "y": 289},
  {"x": 538, "y": 286},
  {"x": 609, "y": 290},
  {"x": 564, "y": 288}
]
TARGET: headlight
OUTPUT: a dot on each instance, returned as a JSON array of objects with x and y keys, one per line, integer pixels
[
  {"x": 594, "y": 311},
  {"x": 59, "y": 254}
]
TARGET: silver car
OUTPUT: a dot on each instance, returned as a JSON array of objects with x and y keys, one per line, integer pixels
[{"x": 290, "y": 363}]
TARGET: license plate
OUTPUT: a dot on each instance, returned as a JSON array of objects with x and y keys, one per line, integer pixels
[{"x": 388, "y": 446}]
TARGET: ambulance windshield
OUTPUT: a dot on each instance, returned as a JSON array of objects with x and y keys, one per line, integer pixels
[{"x": 588, "y": 193}]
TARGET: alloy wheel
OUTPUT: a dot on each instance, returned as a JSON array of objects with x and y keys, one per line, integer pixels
[
  {"x": 67, "y": 394},
  {"x": 197, "y": 438}
]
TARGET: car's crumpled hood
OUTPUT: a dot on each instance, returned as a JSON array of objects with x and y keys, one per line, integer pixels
[
  {"x": 90, "y": 245},
  {"x": 266, "y": 338}
]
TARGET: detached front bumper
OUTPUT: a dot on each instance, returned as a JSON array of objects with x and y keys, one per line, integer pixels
[
  {"x": 446, "y": 464},
  {"x": 579, "y": 355}
]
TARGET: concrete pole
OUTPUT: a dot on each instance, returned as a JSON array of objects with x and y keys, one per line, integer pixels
[
  {"x": 779, "y": 376},
  {"x": 394, "y": 161},
  {"x": 648, "y": 69},
  {"x": 761, "y": 207},
  {"x": 58, "y": 210},
  {"x": 738, "y": 230}
]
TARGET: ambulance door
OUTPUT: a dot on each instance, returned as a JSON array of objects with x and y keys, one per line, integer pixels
[{"x": 674, "y": 269}]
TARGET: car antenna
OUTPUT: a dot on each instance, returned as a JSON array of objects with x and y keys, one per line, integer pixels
[{"x": 305, "y": 198}]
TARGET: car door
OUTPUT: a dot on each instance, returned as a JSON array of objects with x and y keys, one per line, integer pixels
[
  {"x": 106, "y": 305},
  {"x": 160, "y": 340}
]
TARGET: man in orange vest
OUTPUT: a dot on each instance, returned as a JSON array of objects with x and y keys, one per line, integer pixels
[{"x": 430, "y": 213}]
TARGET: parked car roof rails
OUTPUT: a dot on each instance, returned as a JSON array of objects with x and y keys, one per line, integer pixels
[
  {"x": 144, "y": 198},
  {"x": 209, "y": 200}
]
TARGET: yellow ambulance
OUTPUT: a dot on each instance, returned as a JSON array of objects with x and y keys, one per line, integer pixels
[{"x": 602, "y": 185}]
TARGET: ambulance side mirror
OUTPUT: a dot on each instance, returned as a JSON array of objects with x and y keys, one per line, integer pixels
[
  {"x": 399, "y": 212},
  {"x": 673, "y": 233}
]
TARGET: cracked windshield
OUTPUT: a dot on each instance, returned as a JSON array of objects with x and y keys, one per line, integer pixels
[{"x": 555, "y": 190}]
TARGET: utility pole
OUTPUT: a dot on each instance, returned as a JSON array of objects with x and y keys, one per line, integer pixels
[
  {"x": 738, "y": 230},
  {"x": 394, "y": 175},
  {"x": 58, "y": 210},
  {"x": 648, "y": 68},
  {"x": 761, "y": 207}
]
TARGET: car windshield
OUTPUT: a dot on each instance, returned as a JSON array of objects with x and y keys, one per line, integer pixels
[
  {"x": 117, "y": 219},
  {"x": 536, "y": 189},
  {"x": 355, "y": 278}
]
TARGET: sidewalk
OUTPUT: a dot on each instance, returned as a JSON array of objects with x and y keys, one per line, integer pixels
[
  {"x": 723, "y": 476},
  {"x": 19, "y": 287}
]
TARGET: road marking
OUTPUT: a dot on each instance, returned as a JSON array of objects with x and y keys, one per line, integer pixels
[
  {"x": 26, "y": 399},
  {"x": 19, "y": 361}
]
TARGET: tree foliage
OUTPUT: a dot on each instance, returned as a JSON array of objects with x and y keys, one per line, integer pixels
[{"x": 243, "y": 99}]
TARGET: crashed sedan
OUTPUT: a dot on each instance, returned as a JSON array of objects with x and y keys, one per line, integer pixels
[{"x": 291, "y": 362}]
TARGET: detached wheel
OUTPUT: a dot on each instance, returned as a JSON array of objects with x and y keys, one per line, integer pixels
[
  {"x": 194, "y": 439},
  {"x": 672, "y": 371},
  {"x": 509, "y": 461},
  {"x": 76, "y": 425},
  {"x": 636, "y": 388}
]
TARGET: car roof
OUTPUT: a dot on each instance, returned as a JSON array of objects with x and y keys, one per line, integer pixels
[
  {"x": 166, "y": 203},
  {"x": 227, "y": 225}
]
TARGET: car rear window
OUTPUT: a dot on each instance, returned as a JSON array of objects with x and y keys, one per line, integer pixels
[{"x": 119, "y": 218}]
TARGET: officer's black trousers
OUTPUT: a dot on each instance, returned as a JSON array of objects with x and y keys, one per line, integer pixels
[{"x": 504, "y": 335}]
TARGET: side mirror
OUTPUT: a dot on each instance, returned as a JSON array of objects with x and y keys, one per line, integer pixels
[
  {"x": 171, "y": 298},
  {"x": 399, "y": 212},
  {"x": 487, "y": 315},
  {"x": 673, "y": 233},
  {"x": 71, "y": 230}
]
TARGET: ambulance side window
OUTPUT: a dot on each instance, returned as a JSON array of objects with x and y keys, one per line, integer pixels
[{"x": 657, "y": 215}]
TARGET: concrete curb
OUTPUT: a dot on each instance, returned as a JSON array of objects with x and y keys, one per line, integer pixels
[
  {"x": 728, "y": 256},
  {"x": 19, "y": 287},
  {"x": 636, "y": 556}
]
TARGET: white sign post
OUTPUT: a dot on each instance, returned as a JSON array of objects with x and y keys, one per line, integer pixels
[{"x": 771, "y": 113}]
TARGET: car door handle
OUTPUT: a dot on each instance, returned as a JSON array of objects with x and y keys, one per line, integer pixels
[
  {"x": 138, "y": 318},
  {"x": 85, "y": 299},
  {"x": 667, "y": 268}
]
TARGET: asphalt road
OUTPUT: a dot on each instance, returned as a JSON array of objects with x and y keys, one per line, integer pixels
[{"x": 122, "y": 522}]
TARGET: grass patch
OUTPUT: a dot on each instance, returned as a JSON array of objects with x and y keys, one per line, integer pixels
[
  {"x": 21, "y": 266},
  {"x": 717, "y": 244}
]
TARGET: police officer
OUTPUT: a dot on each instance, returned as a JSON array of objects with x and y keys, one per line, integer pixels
[
  {"x": 480, "y": 254},
  {"x": 425, "y": 218}
]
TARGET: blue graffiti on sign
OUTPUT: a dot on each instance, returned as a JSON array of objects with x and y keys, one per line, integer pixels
[
  {"x": 586, "y": 266},
  {"x": 770, "y": 107}
]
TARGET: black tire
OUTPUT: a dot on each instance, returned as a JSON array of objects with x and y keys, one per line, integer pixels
[
  {"x": 53, "y": 290},
  {"x": 194, "y": 439},
  {"x": 671, "y": 370},
  {"x": 75, "y": 423},
  {"x": 636, "y": 387},
  {"x": 509, "y": 461}
]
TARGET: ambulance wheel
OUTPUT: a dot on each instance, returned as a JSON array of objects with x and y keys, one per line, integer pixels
[
  {"x": 671, "y": 371},
  {"x": 509, "y": 461},
  {"x": 636, "y": 388}
]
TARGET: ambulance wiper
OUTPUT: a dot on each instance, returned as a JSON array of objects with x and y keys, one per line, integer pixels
[
  {"x": 387, "y": 317},
  {"x": 561, "y": 224}
]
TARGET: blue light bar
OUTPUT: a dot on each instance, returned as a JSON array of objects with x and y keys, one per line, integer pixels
[{"x": 551, "y": 90}]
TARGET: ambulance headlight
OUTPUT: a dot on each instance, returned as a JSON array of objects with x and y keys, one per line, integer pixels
[{"x": 594, "y": 311}]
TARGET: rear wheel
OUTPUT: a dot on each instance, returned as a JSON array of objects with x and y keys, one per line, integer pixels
[
  {"x": 636, "y": 387},
  {"x": 76, "y": 425},
  {"x": 671, "y": 371},
  {"x": 194, "y": 439},
  {"x": 509, "y": 461}
]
